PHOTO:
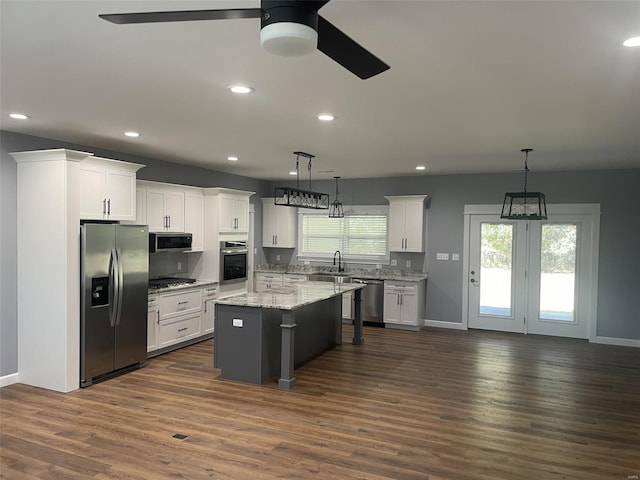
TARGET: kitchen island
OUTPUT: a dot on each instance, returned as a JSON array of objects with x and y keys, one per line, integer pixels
[{"x": 261, "y": 336}]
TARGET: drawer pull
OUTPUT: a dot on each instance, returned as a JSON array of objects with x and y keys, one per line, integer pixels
[
  {"x": 182, "y": 303},
  {"x": 182, "y": 329}
]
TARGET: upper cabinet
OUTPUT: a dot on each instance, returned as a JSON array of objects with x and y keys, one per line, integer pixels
[
  {"x": 108, "y": 189},
  {"x": 165, "y": 209},
  {"x": 232, "y": 208},
  {"x": 406, "y": 223},
  {"x": 194, "y": 217},
  {"x": 278, "y": 225}
]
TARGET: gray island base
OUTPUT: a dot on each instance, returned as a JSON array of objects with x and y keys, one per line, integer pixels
[{"x": 263, "y": 336}]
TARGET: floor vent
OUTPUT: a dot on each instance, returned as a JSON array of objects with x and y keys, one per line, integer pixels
[{"x": 179, "y": 436}]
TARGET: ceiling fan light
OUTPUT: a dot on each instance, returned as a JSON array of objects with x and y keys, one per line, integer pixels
[
  {"x": 288, "y": 39},
  {"x": 632, "y": 42}
]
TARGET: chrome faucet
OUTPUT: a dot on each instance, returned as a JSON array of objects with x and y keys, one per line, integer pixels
[{"x": 340, "y": 266}]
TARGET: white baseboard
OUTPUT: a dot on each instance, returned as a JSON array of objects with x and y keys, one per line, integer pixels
[
  {"x": 621, "y": 342},
  {"x": 9, "y": 379},
  {"x": 439, "y": 324}
]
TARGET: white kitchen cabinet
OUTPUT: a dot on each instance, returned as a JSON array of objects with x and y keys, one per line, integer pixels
[
  {"x": 194, "y": 218},
  {"x": 180, "y": 317},
  {"x": 407, "y": 223},
  {"x": 108, "y": 189},
  {"x": 278, "y": 225},
  {"x": 267, "y": 281},
  {"x": 210, "y": 295},
  {"x": 153, "y": 320},
  {"x": 404, "y": 304},
  {"x": 165, "y": 210},
  {"x": 234, "y": 213},
  {"x": 347, "y": 306},
  {"x": 179, "y": 329}
]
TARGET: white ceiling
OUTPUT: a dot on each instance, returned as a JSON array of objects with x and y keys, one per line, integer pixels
[{"x": 470, "y": 84}]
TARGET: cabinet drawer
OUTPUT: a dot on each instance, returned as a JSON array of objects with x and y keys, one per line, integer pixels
[
  {"x": 293, "y": 278},
  {"x": 179, "y": 329},
  {"x": 180, "y": 303}
]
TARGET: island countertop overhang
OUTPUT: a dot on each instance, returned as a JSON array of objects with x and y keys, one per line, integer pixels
[{"x": 291, "y": 297}]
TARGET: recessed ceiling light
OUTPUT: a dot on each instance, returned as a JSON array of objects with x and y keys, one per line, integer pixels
[
  {"x": 232, "y": 159},
  {"x": 293, "y": 172},
  {"x": 241, "y": 89},
  {"x": 632, "y": 42},
  {"x": 421, "y": 167},
  {"x": 132, "y": 134},
  {"x": 326, "y": 117},
  {"x": 19, "y": 116}
]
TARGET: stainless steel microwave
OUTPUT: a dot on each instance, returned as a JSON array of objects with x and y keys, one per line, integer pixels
[{"x": 169, "y": 242}]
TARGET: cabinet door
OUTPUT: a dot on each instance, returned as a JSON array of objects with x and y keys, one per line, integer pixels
[
  {"x": 227, "y": 214},
  {"x": 269, "y": 220},
  {"x": 194, "y": 219},
  {"x": 392, "y": 307},
  {"x": 141, "y": 206},
  {"x": 155, "y": 210},
  {"x": 414, "y": 221},
  {"x": 120, "y": 186},
  {"x": 92, "y": 192},
  {"x": 241, "y": 210},
  {"x": 152, "y": 332},
  {"x": 174, "y": 209},
  {"x": 396, "y": 226},
  {"x": 285, "y": 227},
  {"x": 208, "y": 316},
  {"x": 409, "y": 306},
  {"x": 347, "y": 304}
]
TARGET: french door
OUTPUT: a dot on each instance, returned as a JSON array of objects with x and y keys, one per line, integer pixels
[{"x": 532, "y": 276}]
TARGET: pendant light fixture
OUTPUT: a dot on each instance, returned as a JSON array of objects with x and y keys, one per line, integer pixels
[
  {"x": 524, "y": 205},
  {"x": 297, "y": 197},
  {"x": 336, "y": 210}
]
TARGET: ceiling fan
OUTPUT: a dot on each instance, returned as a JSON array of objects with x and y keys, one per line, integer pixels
[{"x": 288, "y": 28}]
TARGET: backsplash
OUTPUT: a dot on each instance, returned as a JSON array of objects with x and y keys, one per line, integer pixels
[{"x": 168, "y": 264}]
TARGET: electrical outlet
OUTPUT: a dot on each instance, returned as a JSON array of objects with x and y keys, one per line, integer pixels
[
  {"x": 277, "y": 258},
  {"x": 442, "y": 256},
  {"x": 237, "y": 322},
  {"x": 378, "y": 266},
  {"x": 455, "y": 257},
  {"x": 307, "y": 262},
  {"x": 408, "y": 264},
  {"x": 179, "y": 266},
  {"x": 394, "y": 262}
]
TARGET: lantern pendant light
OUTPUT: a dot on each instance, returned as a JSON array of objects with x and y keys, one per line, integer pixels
[
  {"x": 336, "y": 210},
  {"x": 298, "y": 197},
  {"x": 524, "y": 205}
]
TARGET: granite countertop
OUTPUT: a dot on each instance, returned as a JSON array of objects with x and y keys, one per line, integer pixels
[
  {"x": 291, "y": 297},
  {"x": 186, "y": 286},
  {"x": 369, "y": 273}
]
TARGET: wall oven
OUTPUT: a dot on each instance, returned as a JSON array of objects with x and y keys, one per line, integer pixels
[{"x": 233, "y": 261}]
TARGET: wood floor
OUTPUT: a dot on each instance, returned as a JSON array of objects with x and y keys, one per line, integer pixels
[{"x": 435, "y": 404}]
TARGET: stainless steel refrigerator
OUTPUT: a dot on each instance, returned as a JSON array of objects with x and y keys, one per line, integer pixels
[{"x": 114, "y": 263}]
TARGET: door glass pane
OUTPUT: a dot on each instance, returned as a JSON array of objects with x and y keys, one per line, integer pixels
[
  {"x": 496, "y": 259},
  {"x": 558, "y": 271}
]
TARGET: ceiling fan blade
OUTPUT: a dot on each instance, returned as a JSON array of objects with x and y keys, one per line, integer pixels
[
  {"x": 341, "y": 48},
  {"x": 182, "y": 16}
]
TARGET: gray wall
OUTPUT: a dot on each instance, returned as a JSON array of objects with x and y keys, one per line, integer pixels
[
  {"x": 618, "y": 299},
  {"x": 615, "y": 191}
]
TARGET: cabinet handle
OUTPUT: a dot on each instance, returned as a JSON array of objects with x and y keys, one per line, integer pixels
[
  {"x": 401, "y": 299},
  {"x": 182, "y": 303},
  {"x": 158, "y": 315},
  {"x": 109, "y": 207},
  {"x": 276, "y": 239},
  {"x": 182, "y": 329},
  {"x": 104, "y": 206},
  {"x": 169, "y": 217}
]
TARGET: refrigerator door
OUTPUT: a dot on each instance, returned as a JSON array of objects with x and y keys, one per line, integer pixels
[
  {"x": 132, "y": 246},
  {"x": 97, "y": 300}
]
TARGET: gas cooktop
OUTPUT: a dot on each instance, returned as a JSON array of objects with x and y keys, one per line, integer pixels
[{"x": 170, "y": 282}]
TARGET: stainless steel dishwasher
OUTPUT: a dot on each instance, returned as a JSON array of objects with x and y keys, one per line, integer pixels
[{"x": 372, "y": 301}]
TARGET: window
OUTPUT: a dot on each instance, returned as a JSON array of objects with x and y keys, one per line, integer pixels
[{"x": 360, "y": 236}]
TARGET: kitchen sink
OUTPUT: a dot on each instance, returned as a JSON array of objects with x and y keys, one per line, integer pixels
[{"x": 333, "y": 277}]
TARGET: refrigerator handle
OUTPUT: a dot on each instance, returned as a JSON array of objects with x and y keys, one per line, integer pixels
[
  {"x": 120, "y": 284},
  {"x": 113, "y": 288}
]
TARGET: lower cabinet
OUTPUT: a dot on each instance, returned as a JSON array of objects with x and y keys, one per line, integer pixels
[
  {"x": 266, "y": 281},
  {"x": 179, "y": 329},
  {"x": 404, "y": 304},
  {"x": 180, "y": 316},
  {"x": 153, "y": 319},
  {"x": 347, "y": 306}
]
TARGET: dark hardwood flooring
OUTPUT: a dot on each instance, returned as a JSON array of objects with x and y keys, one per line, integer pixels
[{"x": 435, "y": 404}]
